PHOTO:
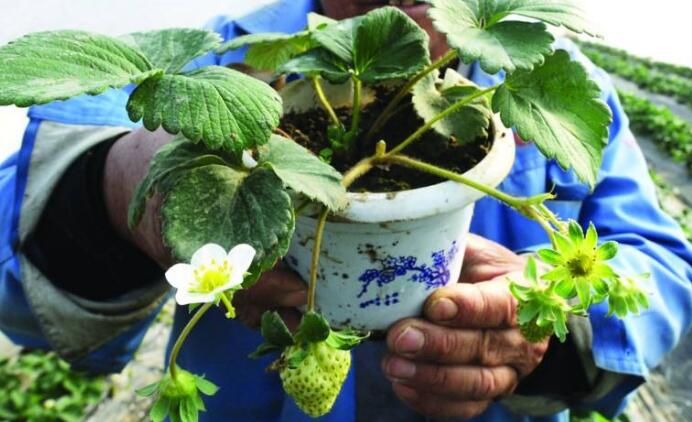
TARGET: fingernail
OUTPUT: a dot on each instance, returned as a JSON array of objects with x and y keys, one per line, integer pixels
[
  {"x": 400, "y": 368},
  {"x": 443, "y": 309},
  {"x": 409, "y": 341}
]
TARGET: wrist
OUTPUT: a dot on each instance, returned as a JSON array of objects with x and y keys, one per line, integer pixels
[{"x": 126, "y": 165}]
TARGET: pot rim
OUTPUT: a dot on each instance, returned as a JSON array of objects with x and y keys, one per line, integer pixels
[{"x": 443, "y": 197}]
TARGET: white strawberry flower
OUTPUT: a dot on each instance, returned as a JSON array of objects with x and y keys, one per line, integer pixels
[{"x": 211, "y": 271}]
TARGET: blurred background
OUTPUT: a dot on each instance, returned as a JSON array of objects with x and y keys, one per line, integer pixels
[{"x": 645, "y": 47}]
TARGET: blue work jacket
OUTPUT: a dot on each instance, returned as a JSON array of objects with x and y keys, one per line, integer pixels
[{"x": 623, "y": 207}]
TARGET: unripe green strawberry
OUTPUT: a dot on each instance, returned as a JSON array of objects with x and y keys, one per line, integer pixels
[
  {"x": 532, "y": 331},
  {"x": 316, "y": 382}
]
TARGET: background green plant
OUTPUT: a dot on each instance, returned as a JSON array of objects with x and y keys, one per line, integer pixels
[
  {"x": 656, "y": 77},
  {"x": 670, "y": 132},
  {"x": 41, "y": 387}
]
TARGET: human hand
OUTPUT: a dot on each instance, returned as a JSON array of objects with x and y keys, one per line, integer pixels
[
  {"x": 279, "y": 289},
  {"x": 468, "y": 351}
]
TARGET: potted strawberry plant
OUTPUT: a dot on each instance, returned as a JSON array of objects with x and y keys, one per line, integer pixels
[{"x": 362, "y": 174}]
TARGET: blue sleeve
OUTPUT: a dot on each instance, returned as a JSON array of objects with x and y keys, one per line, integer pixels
[{"x": 624, "y": 208}]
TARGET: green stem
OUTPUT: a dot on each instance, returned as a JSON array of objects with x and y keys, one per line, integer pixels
[
  {"x": 552, "y": 218},
  {"x": 181, "y": 338},
  {"x": 512, "y": 201},
  {"x": 525, "y": 206},
  {"x": 389, "y": 111},
  {"x": 312, "y": 285},
  {"x": 538, "y": 217},
  {"x": 444, "y": 113},
  {"x": 355, "y": 116},
  {"x": 230, "y": 313},
  {"x": 361, "y": 167},
  {"x": 317, "y": 86}
]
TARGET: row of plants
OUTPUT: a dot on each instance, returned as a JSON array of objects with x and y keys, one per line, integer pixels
[
  {"x": 682, "y": 71},
  {"x": 650, "y": 79},
  {"x": 665, "y": 128},
  {"x": 40, "y": 387}
]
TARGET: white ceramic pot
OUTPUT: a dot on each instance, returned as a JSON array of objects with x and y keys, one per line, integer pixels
[{"x": 384, "y": 255}]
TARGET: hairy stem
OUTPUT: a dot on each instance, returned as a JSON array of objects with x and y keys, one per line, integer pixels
[
  {"x": 527, "y": 206},
  {"x": 355, "y": 116},
  {"x": 390, "y": 109},
  {"x": 181, "y": 338},
  {"x": 319, "y": 231},
  {"x": 361, "y": 167},
  {"x": 512, "y": 201},
  {"x": 444, "y": 113},
  {"x": 317, "y": 86}
]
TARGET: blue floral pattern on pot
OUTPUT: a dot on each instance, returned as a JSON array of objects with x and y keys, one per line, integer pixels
[{"x": 435, "y": 275}]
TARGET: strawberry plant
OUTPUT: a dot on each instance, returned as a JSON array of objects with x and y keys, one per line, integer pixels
[
  {"x": 235, "y": 178},
  {"x": 38, "y": 386},
  {"x": 669, "y": 131},
  {"x": 658, "y": 79}
]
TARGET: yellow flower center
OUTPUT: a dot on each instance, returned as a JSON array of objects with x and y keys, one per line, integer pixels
[
  {"x": 581, "y": 264},
  {"x": 210, "y": 277}
]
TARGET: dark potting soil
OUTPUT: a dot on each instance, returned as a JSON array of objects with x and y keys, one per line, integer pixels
[{"x": 310, "y": 131}]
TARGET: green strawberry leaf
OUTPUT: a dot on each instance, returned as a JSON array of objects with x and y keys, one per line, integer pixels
[
  {"x": 382, "y": 45},
  {"x": 148, "y": 390},
  {"x": 268, "y": 51},
  {"x": 274, "y": 330},
  {"x": 476, "y": 29},
  {"x": 223, "y": 108},
  {"x": 296, "y": 357},
  {"x": 303, "y": 172},
  {"x": 346, "y": 339},
  {"x": 558, "y": 107},
  {"x": 388, "y": 45},
  {"x": 207, "y": 387},
  {"x": 318, "y": 61},
  {"x": 172, "y": 49},
  {"x": 159, "y": 410},
  {"x": 467, "y": 124},
  {"x": 164, "y": 170},
  {"x": 57, "y": 65},
  {"x": 313, "y": 328},
  {"x": 338, "y": 38},
  {"x": 188, "y": 410},
  {"x": 222, "y": 205},
  {"x": 264, "y": 349}
]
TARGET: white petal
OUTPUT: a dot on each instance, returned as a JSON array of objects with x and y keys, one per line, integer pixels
[
  {"x": 237, "y": 278},
  {"x": 240, "y": 257},
  {"x": 248, "y": 161},
  {"x": 183, "y": 297},
  {"x": 206, "y": 253},
  {"x": 180, "y": 275}
]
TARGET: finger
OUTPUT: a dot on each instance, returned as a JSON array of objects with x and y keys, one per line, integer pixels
[
  {"x": 487, "y": 304},
  {"x": 485, "y": 260},
  {"x": 423, "y": 341},
  {"x": 438, "y": 407},
  {"x": 452, "y": 382},
  {"x": 277, "y": 289}
]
